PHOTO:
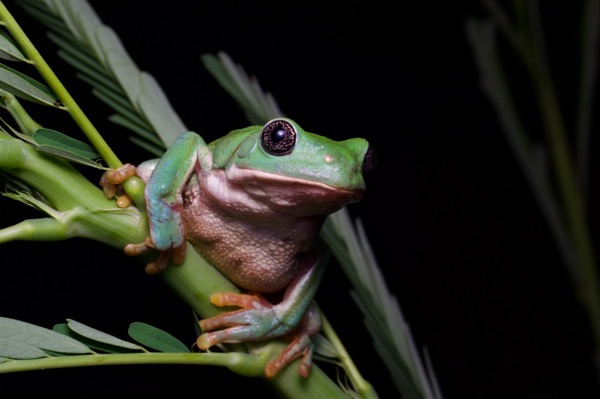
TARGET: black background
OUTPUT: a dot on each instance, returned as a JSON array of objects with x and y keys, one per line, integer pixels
[{"x": 449, "y": 214}]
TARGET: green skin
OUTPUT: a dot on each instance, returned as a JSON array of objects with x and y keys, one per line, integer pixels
[{"x": 252, "y": 203}]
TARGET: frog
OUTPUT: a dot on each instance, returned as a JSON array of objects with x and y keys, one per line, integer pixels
[{"x": 252, "y": 204}]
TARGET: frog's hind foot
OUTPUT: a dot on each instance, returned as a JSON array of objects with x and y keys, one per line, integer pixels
[
  {"x": 300, "y": 347},
  {"x": 257, "y": 321}
]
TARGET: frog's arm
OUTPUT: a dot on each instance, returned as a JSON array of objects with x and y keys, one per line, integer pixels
[
  {"x": 296, "y": 316},
  {"x": 188, "y": 154}
]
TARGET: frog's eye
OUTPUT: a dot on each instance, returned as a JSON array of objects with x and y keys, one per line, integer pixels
[{"x": 278, "y": 137}]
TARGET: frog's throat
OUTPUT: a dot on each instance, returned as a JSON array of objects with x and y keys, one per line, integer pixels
[{"x": 236, "y": 174}]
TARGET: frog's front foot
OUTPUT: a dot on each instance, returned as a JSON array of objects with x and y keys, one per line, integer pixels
[
  {"x": 258, "y": 320},
  {"x": 177, "y": 255},
  {"x": 111, "y": 179}
]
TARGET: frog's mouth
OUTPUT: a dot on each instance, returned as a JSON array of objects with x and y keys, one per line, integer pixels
[
  {"x": 243, "y": 175},
  {"x": 289, "y": 191}
]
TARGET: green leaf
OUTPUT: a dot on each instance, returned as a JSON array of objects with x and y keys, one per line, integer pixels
[
  {"x": 25, "y": 87},
  {"x": 52, "y": 138},
  {"x": 155, "y": 338},
  {"x": 259, "y": 106},
  {"x": 99, "y": 336},
  {"x": 59, "y": 144},
  {"x": 40, "y": 10},
  {"x": 157, "y": 109},
  {"x": 324, "y": 347},
  {"x": 120, "y": 63},
  {"x": 8, "y": 49},
  {"x": 15, "y": 349},
  {"x": 64, "y": 329},
  {"x": 151, "y": 148},
  {"x": 14, "y": 331}
]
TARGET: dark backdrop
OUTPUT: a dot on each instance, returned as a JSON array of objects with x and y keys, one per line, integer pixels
[{"x": 451, "y": 219}]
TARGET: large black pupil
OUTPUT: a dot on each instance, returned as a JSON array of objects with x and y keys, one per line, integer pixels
[{"x": 278, "y": 135}]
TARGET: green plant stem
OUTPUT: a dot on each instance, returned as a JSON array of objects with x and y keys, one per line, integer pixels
[
  {"x": 61, "y": 92},
  {"x": 363, "y": 387},
  {"x": 587, "y": 284},
  {"x": 241, "y": 363}
]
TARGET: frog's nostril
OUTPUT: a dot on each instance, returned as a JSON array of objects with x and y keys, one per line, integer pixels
[{"x": 369, "y": 160}]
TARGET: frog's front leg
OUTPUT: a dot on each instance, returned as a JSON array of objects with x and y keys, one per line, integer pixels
[
  {"x": 189, "y": 154},
  {"x": 295, "y": 317}
]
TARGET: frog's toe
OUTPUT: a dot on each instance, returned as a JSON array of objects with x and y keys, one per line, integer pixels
[
  {"x": 112, "y": 178},
  {"x": 255, "y": 321},
  {"x": 300, "y": 346},
  {"x": 124, "y": 201},
  {"x": 133, "y": 249},
  {"x": 159, "y": 265},
  {"x": 119, "y": 175},
  {"x": 235, "y": 334},
  {"x": 255, "y": 309},
  {"x": 178, "y": 254},
  {"x": 245, "y": 301}
]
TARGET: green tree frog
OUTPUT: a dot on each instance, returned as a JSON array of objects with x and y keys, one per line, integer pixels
[{"x": 252, "y": 203}]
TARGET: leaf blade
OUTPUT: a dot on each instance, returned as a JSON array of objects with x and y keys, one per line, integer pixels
[
  {"x": 9, "y": 50},
  {"x": 25, "y": 87},
  {"x": 156, "y": 338},
  {"x": 100, "y": 336},
  {"x": 14, "y": 331}
]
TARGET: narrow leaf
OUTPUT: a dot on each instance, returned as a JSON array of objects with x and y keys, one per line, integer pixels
[
  {"x": 120, "y": 63},
  {"x": 324, "y": 347},
  {"x": 147, "y": 136},
  {"x": 258, "y": 105},
  {"x": 64, "y": 329},
  {"x": 40, "y": 11},
  {"x": 99, "y": 336},
  {"x": 155, "y": 338},
  {"x": 38, "y": 337},
  {"x": 52, "y": 138},
  {"x": 25, "y": 87},
  {"x": 76, "y": 54},
  {"x": 9, "y": 50},
  {"x": 51, "y": 142},
  {"x": 88, "y": 23},
  {"x": 151, "y": 148},
  {"x": 158, "y": 111}
]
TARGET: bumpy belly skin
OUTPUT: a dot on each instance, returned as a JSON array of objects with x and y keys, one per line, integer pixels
[{"x": 256, "y": 252}]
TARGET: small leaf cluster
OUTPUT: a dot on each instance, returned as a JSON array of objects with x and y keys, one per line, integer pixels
[{"x": 20, "y": 340}]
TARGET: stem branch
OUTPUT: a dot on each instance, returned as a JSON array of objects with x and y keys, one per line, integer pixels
[{"x": 58, "y": 88}]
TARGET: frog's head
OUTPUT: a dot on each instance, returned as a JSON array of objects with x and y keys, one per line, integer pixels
[{"x": 293, "y": 166}]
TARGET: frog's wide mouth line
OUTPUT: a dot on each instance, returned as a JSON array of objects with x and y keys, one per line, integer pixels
[{"x": 236, "y": 174}]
